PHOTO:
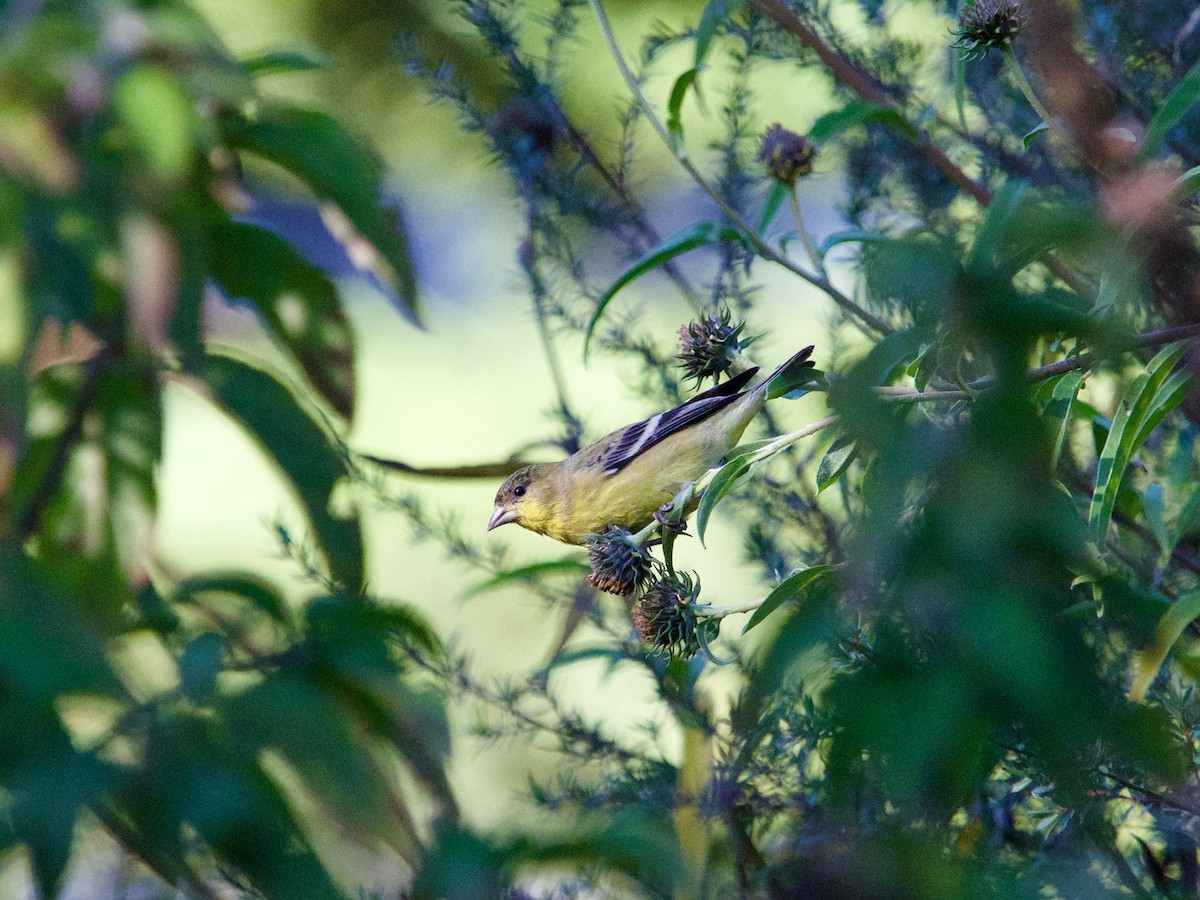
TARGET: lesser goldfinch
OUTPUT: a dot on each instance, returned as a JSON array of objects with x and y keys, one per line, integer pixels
[{"x": 627, "y": 476}]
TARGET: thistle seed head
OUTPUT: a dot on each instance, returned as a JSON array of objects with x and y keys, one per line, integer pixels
[
  {"x": 786, "y": 155},
  {"x": 988, "y": 24},
  {"x": 665, "y": 618},
  {"x": 619, "y": 564},
  {"x": 709, "y": 345}
]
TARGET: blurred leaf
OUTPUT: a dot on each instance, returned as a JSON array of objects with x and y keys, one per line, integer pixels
[
  {"x": 258, "y": 592},
  {"x": 318, "y": 151},
  {"x": 775, "y": 196},
  {"x": 311, "y": 725},
  {"x": 199, "y": 666},
  {"x": 272, "y": 417},
  {"x": 300, "y": 58},
  {"x": 1149, "y": 659},
  {"x": 33, "y": 150},
  {"x": 855, "y": 113},
  {"x": 1146, "y": 400},
  {"x": 159, "y": 117},
  {"x": 1189, "y": 181},
  {"x": 791, "y": 588},
  {"x": 834, "y": 463},
  {"x": 675, "y": 107},
  {"x": 1176, "y": 105},
  {"x": 851, "y": 236},
  {"x": 690, "y": 238},
  {"x": 297, "y": 302},
  {"x": 985, "y": 254},
  {"x": 613, "y": 655},
  {"x": 570, "y": 566},
  {"x": 714, "y": 15}
]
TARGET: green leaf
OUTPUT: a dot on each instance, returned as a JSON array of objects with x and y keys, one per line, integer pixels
[
  {"x": 715, "y": 13},
  {"x": 313, "y": 724},
  {"x": 159, "y": 117},
  {"x": 318, "y": 151},
  {"x": 570, "y": 565},
  {"x": 791, "y": 588},
  {"x": 1148, "y": 660},
  {"x": 296, "y": 301},
  {"x": 721, "y": 485},
  {"x": 690, "y": 238},
  {"x": 835, "y": 462},
  {"x": 272, "y": 417},
  {"x": 1038, "y": 129},
  {"x": 1146, "y": 400},
  {"x": 1058, "y": 410},
  {"x": 775, "y": 197},
  {"x": 851, "y": 236},
  {"x": 249, "y": 587},
  {"x": 675, "y": 106},
  {"x": 1176, "y": 105},
  {"x": 614, "y": 655},
  {"x": 1189, "y": 180},
  {"x": 199, "y": 666},
  {"x": 985, "y": 255},
  {"x": 855, "y": 113},
  {"x": 301, "y": 58}
]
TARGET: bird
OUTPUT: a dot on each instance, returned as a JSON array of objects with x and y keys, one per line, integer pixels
[{"x": 627, "y": 476}]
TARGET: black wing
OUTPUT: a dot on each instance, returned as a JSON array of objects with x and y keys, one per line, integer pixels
[{"x": 642, "y": 436}]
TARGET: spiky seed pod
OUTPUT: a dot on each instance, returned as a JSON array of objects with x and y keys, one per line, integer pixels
[
  {"x": 665, "y": 618},
  {"x": 619, "y": 564},
  {"x": 709, "y": 345},
  {"x": 786, "y": 155},
  {"x": 988, "y": 24}
]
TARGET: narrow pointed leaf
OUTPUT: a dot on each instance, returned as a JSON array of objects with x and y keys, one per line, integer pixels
[
  {"x": 568, "y": 566},
  {"x": 835, "y": 462},
  {"x": 318, "y": 151},
  {"x": 1146, "y": 400},
  {"x": 721, "y": 485},
  {"x": 1148, "y": 660},
  {"x": 270, "y": 414},
  {"x": 715, "y": 13},
  {"x": 296, "y": 301},
  {"x": 690, "y": 238},
  {"x": 791, "y": 588},
  {"x": 1177, "y": 104}
]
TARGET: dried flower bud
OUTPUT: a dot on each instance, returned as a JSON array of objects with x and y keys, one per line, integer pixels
[
  {"x": 619, "y": 564},
  {"x": 709, "y": 345},
  {"x": 664, "y": 616},
  {"x": 988, "y": 24},
  {"x": 786, "y": 155}
]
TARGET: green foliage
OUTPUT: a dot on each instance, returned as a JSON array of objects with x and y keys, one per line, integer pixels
[{"x": 972, "y": 670}]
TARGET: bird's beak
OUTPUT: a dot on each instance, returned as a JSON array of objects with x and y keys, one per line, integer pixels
[{"x": 501, "y": 516}]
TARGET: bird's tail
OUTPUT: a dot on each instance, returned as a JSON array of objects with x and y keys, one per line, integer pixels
[{"x": 796, "y": 372}]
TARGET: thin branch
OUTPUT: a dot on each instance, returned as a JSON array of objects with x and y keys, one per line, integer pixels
[
  {"x": 867, "y": 88},
  {"x": 29, "y": 519},
  {"x": 761, "y": 247}
]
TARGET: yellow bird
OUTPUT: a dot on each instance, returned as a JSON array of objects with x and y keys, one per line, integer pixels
[{"x": 626, "y": 476}]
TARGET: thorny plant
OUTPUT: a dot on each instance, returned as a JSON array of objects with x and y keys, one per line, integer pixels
[{"x": 974, "y": 584}]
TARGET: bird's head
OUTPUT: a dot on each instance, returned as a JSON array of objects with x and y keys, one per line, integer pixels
[{"x": 521, "y": 499}]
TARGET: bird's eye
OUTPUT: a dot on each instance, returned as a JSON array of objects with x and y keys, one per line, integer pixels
[{"x": 519, "y": 490}]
